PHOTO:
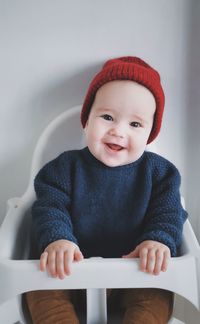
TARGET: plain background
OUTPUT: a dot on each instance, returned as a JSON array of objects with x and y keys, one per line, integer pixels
[{"x": 49, "y": 51}]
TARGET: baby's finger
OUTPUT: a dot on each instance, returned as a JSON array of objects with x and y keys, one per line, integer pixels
[
  {"x": 68, "y": 258},
  {"x": 43, "y": 261},
  {"x": 158, "y": 262},
  {"x": 60, "y": 264},
  {"x": 143, "y": 259},
  {"x": 151, "y": 257},
  {"x": 51, "y": 263},
  {"x": 165, "y": 260}
]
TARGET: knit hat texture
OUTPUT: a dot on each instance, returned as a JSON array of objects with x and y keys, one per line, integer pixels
[{"x": 128, "y": 68}]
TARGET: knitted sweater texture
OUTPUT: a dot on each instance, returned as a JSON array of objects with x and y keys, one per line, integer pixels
[{"x": 108, "y": 211}]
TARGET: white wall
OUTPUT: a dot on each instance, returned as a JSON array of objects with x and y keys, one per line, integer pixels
[
  {"x": 51, "y": 49},
  {"x": 192, "y": 128}
]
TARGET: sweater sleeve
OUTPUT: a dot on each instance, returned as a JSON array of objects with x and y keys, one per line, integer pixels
[
  {"x": 51, "y": 211},
  {"x": 165, "y": 215}
]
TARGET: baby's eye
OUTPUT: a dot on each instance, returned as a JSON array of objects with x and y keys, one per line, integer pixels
[
  {"x": 107, "y": 117},
  {"x": 136, "y": 124}
]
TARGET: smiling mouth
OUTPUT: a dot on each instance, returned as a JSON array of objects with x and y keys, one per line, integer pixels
[{"x": 115, "y": 147}]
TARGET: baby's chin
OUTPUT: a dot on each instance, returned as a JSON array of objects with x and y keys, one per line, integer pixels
[
  {"x": 109, "y": 162},
  {"x": 113, "y": 163},
  {"x": 115, "y": 159}
]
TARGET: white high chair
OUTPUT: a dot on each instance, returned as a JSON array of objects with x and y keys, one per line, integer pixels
[{"x": 19, "y": 275}]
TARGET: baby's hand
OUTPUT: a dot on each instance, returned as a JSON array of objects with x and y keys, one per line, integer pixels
[
  {"x": 58, "y": 256},
  {"x": 154, "y": 256}
]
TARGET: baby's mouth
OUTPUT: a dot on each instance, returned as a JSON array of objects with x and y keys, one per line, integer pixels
[{"x": 115, "y": 147}]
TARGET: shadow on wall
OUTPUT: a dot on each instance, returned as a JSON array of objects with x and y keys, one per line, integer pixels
[
  {"x": 36, "y": 112},
  {"x": 60, "y": 95},
  {"x": 193, "y": 119}
]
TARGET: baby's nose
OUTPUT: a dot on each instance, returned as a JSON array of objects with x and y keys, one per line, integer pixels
[{"x": 117, "y": 130}]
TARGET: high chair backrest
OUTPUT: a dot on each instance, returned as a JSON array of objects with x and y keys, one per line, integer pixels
[{"x": 63, "y": 133}]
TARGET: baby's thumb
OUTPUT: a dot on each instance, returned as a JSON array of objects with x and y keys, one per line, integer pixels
[
  {"x": 78, "y": 256},
  {"x": 133, "y": 254}
]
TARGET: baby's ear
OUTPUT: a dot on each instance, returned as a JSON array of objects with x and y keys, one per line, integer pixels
[{"x": 86, "y": 126}]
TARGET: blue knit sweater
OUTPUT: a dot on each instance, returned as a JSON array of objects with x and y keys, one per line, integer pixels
[{"x": 107, "y": 211}]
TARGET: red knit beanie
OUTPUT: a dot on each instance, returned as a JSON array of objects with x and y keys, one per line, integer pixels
[{"x": 128, "y": 68}]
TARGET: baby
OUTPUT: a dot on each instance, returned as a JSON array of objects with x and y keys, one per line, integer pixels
[{"x": 112, "y": 198}]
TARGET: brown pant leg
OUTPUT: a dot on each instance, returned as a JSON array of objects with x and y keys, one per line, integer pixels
[
  {"x": 147, "y": 306},
  {"x": 51, "y": 307}
]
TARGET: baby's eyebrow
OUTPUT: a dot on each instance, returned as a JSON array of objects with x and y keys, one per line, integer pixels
[
  {"x": 140, "y": 118},
  {"x": 103, "y": 110}
]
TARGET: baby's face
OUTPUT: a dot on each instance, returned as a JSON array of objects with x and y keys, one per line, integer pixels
[{"x": 120, "y": 122}]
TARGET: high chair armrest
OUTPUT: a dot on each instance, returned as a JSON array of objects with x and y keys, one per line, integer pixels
[
  {"x": 112, "y": 273},
  {"x": 189, "y": 244},
  {"x": 8, "y": 228},
  {"x": 16, "y": 225}
]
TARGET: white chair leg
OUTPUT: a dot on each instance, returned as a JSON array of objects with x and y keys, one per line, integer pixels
[
  {"x": 11, "y": 312},
  {"x": 96, "y": 306},
  {"x": 185, "y": 312}
]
